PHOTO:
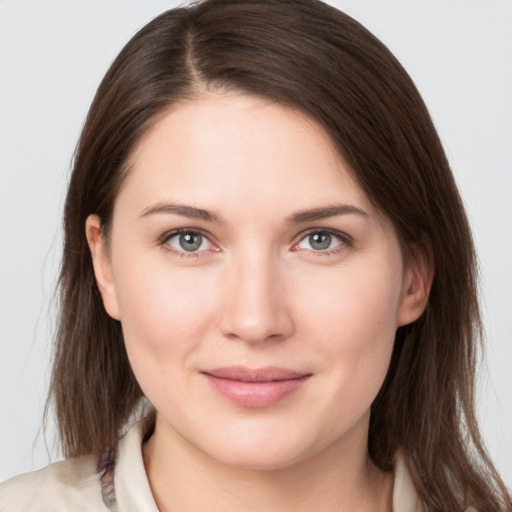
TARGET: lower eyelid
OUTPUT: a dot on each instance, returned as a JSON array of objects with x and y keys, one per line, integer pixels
[{"x": 330, "y": 252}]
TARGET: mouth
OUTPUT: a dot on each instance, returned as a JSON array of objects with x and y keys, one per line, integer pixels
[{"x": 255, "y": 388}]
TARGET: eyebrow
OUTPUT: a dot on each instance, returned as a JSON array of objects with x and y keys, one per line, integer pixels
[
  {"x": 324, "y": 213},
  {"x": 296, "y": 218},
  {"x": 181, "y": 209}
]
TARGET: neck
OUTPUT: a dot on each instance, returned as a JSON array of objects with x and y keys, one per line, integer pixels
[{"x": 339, "y": 478}]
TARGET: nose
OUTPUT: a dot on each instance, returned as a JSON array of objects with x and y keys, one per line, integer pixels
[{"x": 255, "y": 303}]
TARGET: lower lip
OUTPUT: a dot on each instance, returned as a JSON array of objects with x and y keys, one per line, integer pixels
[{"x": 255, "y": 394}]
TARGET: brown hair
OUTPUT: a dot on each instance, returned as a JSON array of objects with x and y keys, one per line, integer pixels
[{"x": 306, "y": 55}]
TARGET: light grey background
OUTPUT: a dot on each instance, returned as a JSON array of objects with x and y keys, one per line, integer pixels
[{"x": 53, "y": 55}]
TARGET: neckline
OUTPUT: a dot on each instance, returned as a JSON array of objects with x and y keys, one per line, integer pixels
[{"x": 125, "y": 485}]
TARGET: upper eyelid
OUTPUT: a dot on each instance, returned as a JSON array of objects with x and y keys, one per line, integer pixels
[
  {"x": 178, "y": 231},
  {"x": 340, "y": 234}
]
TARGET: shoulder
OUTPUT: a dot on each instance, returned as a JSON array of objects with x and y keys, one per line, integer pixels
[{"x": 71, "y": 485}]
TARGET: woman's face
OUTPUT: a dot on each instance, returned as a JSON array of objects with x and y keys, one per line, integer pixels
[{"x": 258, "y": 289}]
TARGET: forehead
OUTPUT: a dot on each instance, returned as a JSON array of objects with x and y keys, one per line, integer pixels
[{"x": 230, "y": 149}]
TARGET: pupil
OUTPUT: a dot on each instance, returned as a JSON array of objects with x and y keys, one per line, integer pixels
[
  {"x": 320, "y": 240},
  {"x": 190, "y": 242}
]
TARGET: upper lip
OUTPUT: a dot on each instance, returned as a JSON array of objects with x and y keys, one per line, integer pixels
[{"x": 244, "y": 374}]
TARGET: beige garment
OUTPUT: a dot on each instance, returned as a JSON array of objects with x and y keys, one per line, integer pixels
[{"x": 74, "y": 485}]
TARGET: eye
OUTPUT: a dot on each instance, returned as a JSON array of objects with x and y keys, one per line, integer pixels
[
  {"x": 322, "y": 241},
  {"x": 187, "y": 241}
]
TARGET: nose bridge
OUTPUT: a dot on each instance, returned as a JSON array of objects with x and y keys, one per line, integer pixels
[{"x": 255, "y": 307}]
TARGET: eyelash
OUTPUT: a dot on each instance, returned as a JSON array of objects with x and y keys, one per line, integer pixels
[
  {"x": 346, "y": 242},
  {"x": 164, "y": 242}
]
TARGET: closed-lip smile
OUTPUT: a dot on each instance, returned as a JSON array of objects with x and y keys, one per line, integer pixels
[{"x": 255, "y": 387}]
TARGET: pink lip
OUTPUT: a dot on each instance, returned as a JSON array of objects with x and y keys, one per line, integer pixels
[{"x": 255, "y": 388}]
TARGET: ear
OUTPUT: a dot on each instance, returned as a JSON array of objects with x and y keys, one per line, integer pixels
[
  {"x": 418, "y": 277},
  {"x": 102, "y": 265}
]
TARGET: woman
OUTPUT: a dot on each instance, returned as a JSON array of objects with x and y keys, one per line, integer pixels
[{"x": 264, "y": 239}]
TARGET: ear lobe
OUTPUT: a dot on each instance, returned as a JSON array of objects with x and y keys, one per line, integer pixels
[
  {"x": 418, "y": 277},
  {"x": 102, "y": 265}
]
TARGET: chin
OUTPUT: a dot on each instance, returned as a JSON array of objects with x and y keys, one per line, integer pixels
[
  {"x": 272, "y": 451},
  {"x": 258, "y": 459}
]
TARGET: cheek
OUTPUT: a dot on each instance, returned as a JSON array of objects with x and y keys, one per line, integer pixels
[
  {"x": 353, "y": 307},
  {"x": 353, "y": 322},
  {"x": 164, "y": 315},
  {"x": 158, "y": 299}
]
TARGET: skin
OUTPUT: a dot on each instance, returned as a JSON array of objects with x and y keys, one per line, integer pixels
[{"x": 258, "y": 292}]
